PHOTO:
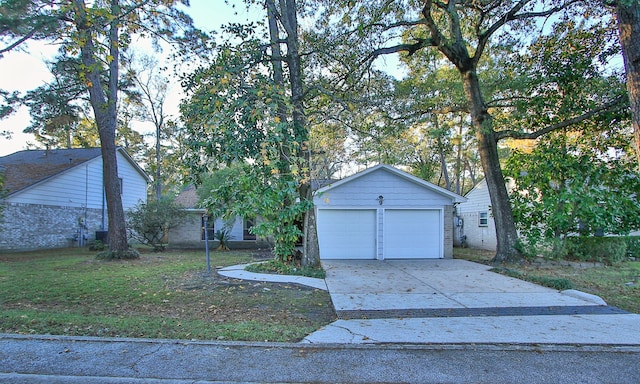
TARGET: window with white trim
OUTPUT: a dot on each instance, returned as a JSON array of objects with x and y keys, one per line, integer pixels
[{"x": 483, "y": 219}]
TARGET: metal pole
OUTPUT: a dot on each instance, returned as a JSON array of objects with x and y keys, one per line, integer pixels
[{"x": 206, "y": 241}]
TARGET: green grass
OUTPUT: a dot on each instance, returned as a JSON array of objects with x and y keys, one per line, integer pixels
[
  {"x": 618, "y": 285},
  {"x": 159, "y": 295}
]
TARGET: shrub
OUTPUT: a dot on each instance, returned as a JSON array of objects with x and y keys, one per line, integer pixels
[
  {"x": 278, "y": 267},
  {"x": 608, "y": 250},
  {"x": 223, "y": 236},
  {"x": 150, "y": 222},
  {"x": 97, "y": 246},
  {"x": 633, "y": 246}
]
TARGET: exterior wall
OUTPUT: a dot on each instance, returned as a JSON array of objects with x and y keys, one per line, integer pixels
[
  {"x": 189, "y": 233},
  {"x": 134, "y": 188},
  {"x": 36, "y": 226},
  {"x": 82, "y": 186},
  {"x": 364, "y": 191},
  {"x": 46, "y": 215},
  {"x": 78, "y": 187},
  {"x": 448, "y": 232},
  {"x": 481, "y": 237}
]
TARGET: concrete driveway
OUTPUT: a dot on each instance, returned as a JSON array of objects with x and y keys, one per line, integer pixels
[{"x": 457, "y": 301}]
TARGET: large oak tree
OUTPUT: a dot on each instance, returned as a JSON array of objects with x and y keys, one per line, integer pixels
[{"x": 462, "y": 32}]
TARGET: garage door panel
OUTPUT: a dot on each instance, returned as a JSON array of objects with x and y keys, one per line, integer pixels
[
  {"x": 410, "y": 234},
  {"x": 347, "y": 233}
]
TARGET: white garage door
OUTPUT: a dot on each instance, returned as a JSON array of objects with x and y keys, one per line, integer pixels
[
  {"x": 347, "y": 233},
  {"x": 412, "y": 234}
]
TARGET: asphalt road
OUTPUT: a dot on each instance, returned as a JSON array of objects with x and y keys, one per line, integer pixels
[{"x": 94, "y": 360}]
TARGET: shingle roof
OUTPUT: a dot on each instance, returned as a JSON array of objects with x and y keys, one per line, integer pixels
[
  {"x": 25, "y": 168},
  {"x": 188, "y": 198}
]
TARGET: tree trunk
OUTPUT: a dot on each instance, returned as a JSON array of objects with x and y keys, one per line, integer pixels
[
  {"x": 443, "y": 161},
  {"x": 105, "y": 111},
  {"x": 311, "y": 249},
  {"x": 506, "y": 234},
  {"x": 628, "y": 15}
]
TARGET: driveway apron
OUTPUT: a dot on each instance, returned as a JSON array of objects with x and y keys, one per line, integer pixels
[{"x": 457, "y": 301}]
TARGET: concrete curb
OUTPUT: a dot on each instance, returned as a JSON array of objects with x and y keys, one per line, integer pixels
[
  {"x": 238, "y": 272},
  {"x": 584, "y": 296}
]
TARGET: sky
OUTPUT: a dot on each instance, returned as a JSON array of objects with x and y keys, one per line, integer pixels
[{"x": 23, "y": 71}]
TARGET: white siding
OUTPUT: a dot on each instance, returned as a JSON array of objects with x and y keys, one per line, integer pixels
[
  {"x": 77, "y": 187},
  {"x": 482, "y": 237},
  {"x": 364, "y": 191},
  {"x": 81, "y": 186},
  {"x": 134, "y": 188}
]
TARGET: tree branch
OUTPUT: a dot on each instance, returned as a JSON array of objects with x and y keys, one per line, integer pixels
[
  {"x": 410, "y": 48},
  {"x": 616, "y": 104},
  {"x": 19, "y": 41}
]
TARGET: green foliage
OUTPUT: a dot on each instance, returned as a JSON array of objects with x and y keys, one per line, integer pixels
[
  {"x": 608, "y": 250},
  {"x": 223, "y": 236},
  {"x": 97, "y": 246},
  {"x": 234, "y": 121},
  {"x": 278, "y": 267},
  {"x": 580, "y": 181},
  {"x": 570, "y": 183},
  {"x": 633, "y": 246},
  {"x": 150, "y": 222}
]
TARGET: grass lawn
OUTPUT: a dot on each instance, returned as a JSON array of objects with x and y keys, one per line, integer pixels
[
  {"x": 159, "y": 295},
  {"x": 618, "y": 285}
]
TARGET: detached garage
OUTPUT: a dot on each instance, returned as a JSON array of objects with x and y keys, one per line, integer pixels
[{"x": 384, "y": 213}]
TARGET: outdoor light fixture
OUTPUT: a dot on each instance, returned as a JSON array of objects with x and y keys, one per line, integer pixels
[{"x": 380, "y": 199}]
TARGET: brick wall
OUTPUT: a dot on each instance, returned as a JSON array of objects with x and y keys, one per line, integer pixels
[{"x": 34, "y": 226}]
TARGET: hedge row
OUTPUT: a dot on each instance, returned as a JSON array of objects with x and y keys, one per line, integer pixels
[{"x": 608, "y": 250}]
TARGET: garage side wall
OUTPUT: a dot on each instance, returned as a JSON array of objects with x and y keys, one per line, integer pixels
[{"x": 448, "y": 232}]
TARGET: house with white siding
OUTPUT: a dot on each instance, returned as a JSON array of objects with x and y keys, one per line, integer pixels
[
  {"x": 384, "y": 213},
  {"x": 55, "y": 198},
  {"x": 475, "y": 227}
]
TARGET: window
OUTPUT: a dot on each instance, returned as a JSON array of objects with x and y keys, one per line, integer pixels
[
  {"x": 246, "y": 230},
  {"x": 483, "y": 219},
  {"x": 210, "y": 230},
  {"x": 121, "y": 182}
]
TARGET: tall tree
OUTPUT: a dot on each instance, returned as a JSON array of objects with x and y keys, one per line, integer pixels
[
  {"x": 145, "y": 73},
  {"x": 462, "y": 32},
  {"x": 628, "y": 18},
  {"x": 248, "y": 106},
  {"x": 97, "y": 32}
]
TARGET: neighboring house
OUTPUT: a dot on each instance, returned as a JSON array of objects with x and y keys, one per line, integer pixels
[
  {"x": 55, "y": 198},
  {"x": 475, "y": 227},
  {"x": 384, "y": 213},
  {"x": 190, "y": 234}
]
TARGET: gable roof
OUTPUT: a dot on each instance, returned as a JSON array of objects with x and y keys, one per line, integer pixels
[
  {"x": 25, "y": 168},
  {"x": 455, "y": 198},
  {"x": 188, "y": 197}
]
